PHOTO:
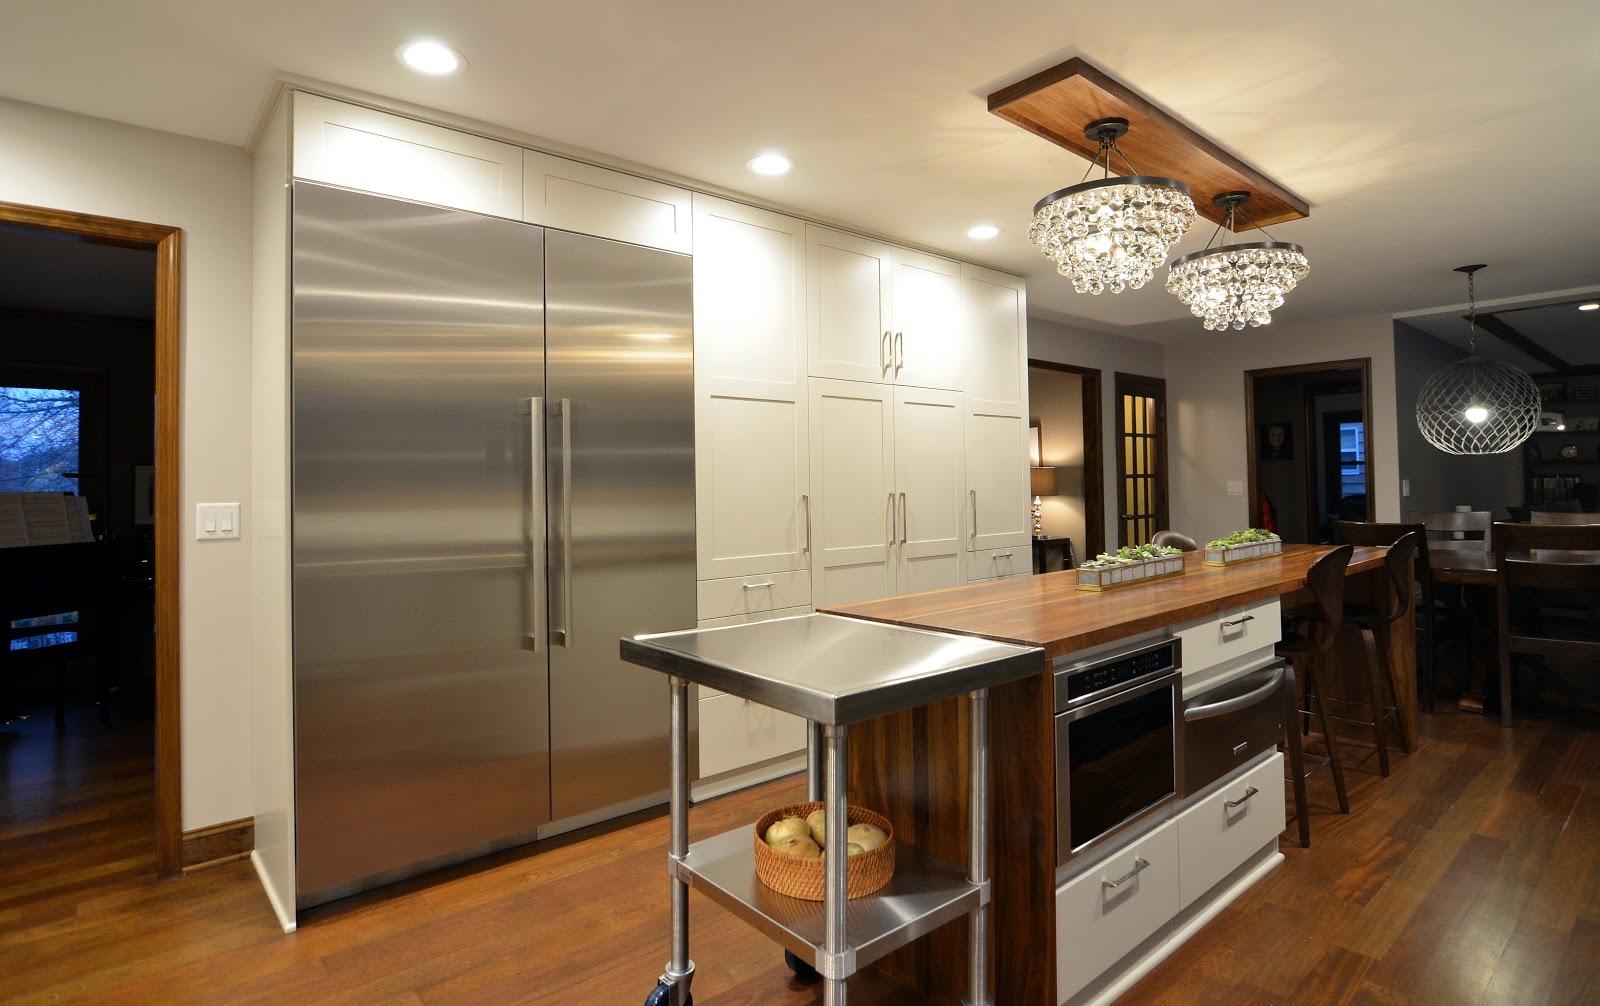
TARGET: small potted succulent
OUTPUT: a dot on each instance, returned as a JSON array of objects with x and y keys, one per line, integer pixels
[
  {"x": 1128, "y": 565},
  {"x": 1242, "y": 546}
]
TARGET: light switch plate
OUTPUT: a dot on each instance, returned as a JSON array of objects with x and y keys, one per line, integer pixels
[
  {"x": 216, "y": 521},
  {"x": 1405, "y": 487},
  {"x": 1235, "y": 488}
]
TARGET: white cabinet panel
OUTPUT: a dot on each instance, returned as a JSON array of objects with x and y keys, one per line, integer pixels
[
  {"x": 998, "y": 511},
  {"x": 848, "y": 295},
  {"x": 930, "y": 476},
  {"x": 1215, "y": 839},
  {"x": 852, "y": 476},
  {"x": 737, "y": 595},
  {"x": 362, "y": 148},
  {"x": 1218, "y": 644},
  {"x": 573, "y": 196},
  {"x": 750, "y": 483},
  {"x": 749, "y": 299},
  {"x": 995, "y": 366},
  {"x": 990, "y": 563},
  {"x": 1096, "y": 924},
  {"x": 736, "y": 732},
  {"x": 929, "y": 322}
]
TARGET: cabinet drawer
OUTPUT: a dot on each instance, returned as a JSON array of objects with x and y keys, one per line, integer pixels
[
  {"x": 989, "y": 563},
  {"x": 1215, "y": 839},
  {"x": 1096, "y": 925},
  {"x": 736, "y": 732},
  {"x": 585, "y": 199},
  {"x": 1211, "y": 642},
  {"x": 739, "y": 595},
  {"x": 362, "y": 148}
]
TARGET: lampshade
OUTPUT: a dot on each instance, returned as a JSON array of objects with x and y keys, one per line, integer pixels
[{"x": 1044, "y": 481}]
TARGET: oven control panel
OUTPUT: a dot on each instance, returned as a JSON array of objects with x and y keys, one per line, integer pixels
[{"x": 1100, "y": 675}]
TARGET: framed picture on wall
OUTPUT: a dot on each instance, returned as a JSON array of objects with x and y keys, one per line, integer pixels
[
  {"x": 1276, "y": 442},
  {"x": 144, "y": 494}
]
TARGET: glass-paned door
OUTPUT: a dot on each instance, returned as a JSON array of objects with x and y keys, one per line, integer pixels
[{"x": 1141, "y": 458}]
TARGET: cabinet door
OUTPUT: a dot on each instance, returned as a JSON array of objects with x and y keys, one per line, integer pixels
[
  {"x": 930, "y": 477},
  {"x": 996, "y": 361},
  {"x": 362, "y": 148},
  {"x": 585, "y": 199},
  {"x": 751, "y": 433},
  {"x": 852, "y": 477},
  {"x": 998, "y": 511},
  {"x": 848, "y": 280},
  {"x": 929, "y": 323}
]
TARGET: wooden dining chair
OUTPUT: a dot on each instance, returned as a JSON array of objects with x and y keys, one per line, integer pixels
[
  {"x": 1542, "y": 557},
  {"x": 1442, "y": 616}
]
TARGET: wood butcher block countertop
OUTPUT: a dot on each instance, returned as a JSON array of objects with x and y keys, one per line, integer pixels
[{"x": 1048, "y": 610}]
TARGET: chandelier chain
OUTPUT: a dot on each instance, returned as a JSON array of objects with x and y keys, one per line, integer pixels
[{"x": 1472, "y": 318}]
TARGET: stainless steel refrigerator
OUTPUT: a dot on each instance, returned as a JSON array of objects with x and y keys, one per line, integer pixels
[{"x": 493, "y": 481}]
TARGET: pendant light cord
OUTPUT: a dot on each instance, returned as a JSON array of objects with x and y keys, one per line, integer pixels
[{"x": 1472, "y": 318}]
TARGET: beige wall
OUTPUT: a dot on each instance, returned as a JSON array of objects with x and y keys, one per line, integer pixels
[
  {"x": 1059, "y": 343},
  {"x": 1206, "y": 412},
  {"x": 1055, "y": 399},
  {"x": 71, "y": 162}
]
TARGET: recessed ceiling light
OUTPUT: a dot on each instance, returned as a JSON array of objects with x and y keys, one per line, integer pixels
[
  {"x": 427, "y": 56},
  {"x": 1589, "y": 307},
  {"x": 982, "y": 232},
  {"x": 770, "y": 164}
]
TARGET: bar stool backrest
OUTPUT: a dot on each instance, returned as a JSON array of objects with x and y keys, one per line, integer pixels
[
  {"x": 1404, "y": 541},
  {"x": 1175, "y": 539},
  {"x": 1325, "y": 580}
]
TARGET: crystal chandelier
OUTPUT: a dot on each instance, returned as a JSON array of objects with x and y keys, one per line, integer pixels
[
  {"x": 1111, "y": 233},
  {"x": 1234, "y": 285},
  {"x": 1477, "y": 406}
]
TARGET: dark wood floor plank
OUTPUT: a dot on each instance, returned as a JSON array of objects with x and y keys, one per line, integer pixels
[
  {"x": 1336, "y": 978},
  {"x": 1577, "y": 980}
]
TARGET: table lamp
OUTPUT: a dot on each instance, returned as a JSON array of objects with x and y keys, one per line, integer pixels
[{"x": 1044, "y": 484}]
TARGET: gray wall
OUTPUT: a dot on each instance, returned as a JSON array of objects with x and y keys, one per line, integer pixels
[
  {"x": 1441, "y": 481},
  {"x": 1055, "y": 399}
]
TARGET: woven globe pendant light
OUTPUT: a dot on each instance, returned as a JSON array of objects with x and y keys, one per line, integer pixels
[{"x": 1477, "y": 406}]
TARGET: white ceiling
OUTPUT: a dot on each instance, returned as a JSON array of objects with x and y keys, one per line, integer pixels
[
  {"x": 1424, "y": 135},
  {"x": 1559, "y": 327}
]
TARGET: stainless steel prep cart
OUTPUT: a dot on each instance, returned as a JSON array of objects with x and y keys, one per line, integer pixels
[{"x": 833, "y": 671}]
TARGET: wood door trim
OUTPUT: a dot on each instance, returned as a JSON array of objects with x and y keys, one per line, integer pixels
[
  {"x": 1363, "y": 364},
  {"x": 167, "y": 242},
  {"x": 1094, "y": 456},
  {"x": 1163, "y": 512}
]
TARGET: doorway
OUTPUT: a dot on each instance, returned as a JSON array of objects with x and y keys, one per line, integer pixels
[
  {"x": 1141, "y": 458},
  {"x": 128, "y": 490},
  {"x": 1064, "y": 407},
  {"x": 1309, "y": 442}
]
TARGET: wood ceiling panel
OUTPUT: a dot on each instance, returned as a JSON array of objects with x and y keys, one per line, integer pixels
[{"x": 1058, "y": 103}]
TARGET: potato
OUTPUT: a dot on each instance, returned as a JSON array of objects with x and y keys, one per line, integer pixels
[
  {"x": 855, "y": 850},
  {"x": 798, "y": 846},
  {"x": 816, "y": 821},
  {"x": 785, "y": 828},
  {"x": 868, "y": 836}
]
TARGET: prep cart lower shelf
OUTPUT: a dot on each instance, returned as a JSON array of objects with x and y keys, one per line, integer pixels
[{"x": 926, "y": 892}]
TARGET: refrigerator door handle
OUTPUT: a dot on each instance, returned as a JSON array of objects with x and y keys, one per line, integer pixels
[
  {"x": 563, "y": 635},
  {"x": 533, "y": 618}
]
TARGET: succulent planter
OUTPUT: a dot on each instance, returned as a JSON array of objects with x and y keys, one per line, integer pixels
[
  {"x": 1127, "y": 574},
  {"x": 1232, "y": 555}
]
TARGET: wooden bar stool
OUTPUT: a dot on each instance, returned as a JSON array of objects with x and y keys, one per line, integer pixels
[{"x": 1325, "y": 580}]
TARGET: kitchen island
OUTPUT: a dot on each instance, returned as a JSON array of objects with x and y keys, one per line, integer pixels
[{"x": 913, "y": 764}]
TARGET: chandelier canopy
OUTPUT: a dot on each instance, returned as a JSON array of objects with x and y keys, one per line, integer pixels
[
  {"x": 1477, "y": 406},
  {"x": 1111, "y": 233},
  {"x": 1234, "y": 285}
]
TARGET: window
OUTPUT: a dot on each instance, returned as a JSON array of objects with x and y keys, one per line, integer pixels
[
  {"x": 1352, "y": 459},
  {"x": 39, "y": 437}
]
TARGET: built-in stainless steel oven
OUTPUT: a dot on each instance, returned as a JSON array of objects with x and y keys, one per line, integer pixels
[{"x": 1118, "y": 753}]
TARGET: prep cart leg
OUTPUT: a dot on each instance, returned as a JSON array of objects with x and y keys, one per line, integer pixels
[
  {"x": 813, "y": 761},
  {"x": 978, "y": 852},
  {"x": 834, "y": 965},
  {"x": 680, "y": 970}
]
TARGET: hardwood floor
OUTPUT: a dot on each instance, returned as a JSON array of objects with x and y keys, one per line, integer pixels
[{"x": 1471, "y": 875}]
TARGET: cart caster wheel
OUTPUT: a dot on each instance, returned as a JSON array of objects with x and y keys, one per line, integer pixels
[
  {"x": 661, "y": 995},
  {"x": 801, "y": 969}
]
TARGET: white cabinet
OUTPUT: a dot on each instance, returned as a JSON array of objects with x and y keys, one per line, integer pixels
[
  {"x": 883, "y": 314},
  {"x": 998, "y": 510},
  {"x": 888, "y": 489},
  {"x": 1109, "y": 909},
  {"x": 1229, "y": 825},
  {"x": 996, "y": 396},
  {"x": 734, "y": 733},
  {"x": 362, "y": 148},
  {"x": 573, "y": 196},
  {"x": 1222, "y": 645},
  {"x": 751, "y": 432},
  {"x": 996, "y": 361}
]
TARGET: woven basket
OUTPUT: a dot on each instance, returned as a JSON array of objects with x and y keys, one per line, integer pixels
[{"x": 803, "y": 878}]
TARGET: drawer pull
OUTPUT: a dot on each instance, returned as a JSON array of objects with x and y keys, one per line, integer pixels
[
  {"x": 1139, "y": 866},
  {"x": 757, "y": 586},
  {"x": 1238, "y": 621},
  {"x": 1249, "y": 791}
]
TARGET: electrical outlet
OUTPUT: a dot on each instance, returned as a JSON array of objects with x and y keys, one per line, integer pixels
[
  {"x": 1235, "y": 488},
  {"x": 216, "y": 521}
]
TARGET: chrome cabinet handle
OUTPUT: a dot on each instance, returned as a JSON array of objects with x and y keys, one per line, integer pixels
[
  {"x": 973, "y": 495},
  {"x": 1249, "y": 791},
  {"x": 899, "y": 350},
  {"x": 757, "y": 586},
  {"x": 533, "y": 618},
  {"x": 1238, "y": 621},
  {"x": 886, "y": 352},
  {"x": 894, "y": 522},
  {"x": 1139, "y": 866},
  {"x": 905, "y": 521},
  {"x": 563, "y": 635},
  {"x": 805, "y": 504}
]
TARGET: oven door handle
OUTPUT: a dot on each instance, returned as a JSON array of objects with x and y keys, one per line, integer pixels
[
  {"x": 1236, "y": 703},
  {"x": 1162, "y": 679}
]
